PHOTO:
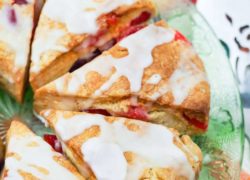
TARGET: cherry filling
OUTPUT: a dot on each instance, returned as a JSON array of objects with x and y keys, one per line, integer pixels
[
  {"x": 111, "y": 19},
  {"x": 92, "y": 40},
  {"x": 128, "y": 31},
  {"x": 145, "y": 16},
  {"x": 80, "y": 62},
  {"x": 180, "y": 37},
  {"x": 20, "y": 2},
  {"x": 12, "y": 16},
  {"x": 53, "y": 142},
  {"x": 195, "y": 122},
  {"x": 134, "y": 25},
  {"x": 98, "y": 111},
  {"x": 194, "y": 1},
  {"x": 136, "y": 112}
]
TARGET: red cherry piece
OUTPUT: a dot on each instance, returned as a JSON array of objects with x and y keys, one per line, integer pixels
[
  {"x": 20, "y": 2},
  {"x": 111, "y": 19},
  {"x": 12, "y": 16},
  {"x": 53, "y": 142},
  {"x": 194, "y": 1},
  {"x": 94, "y": 39},
  {"x": 128, "y": 31},
  {"x": 180, "y": 37},
  {"x": 145, "y": 16},
  {"x": 98, "y": 111},
  {"x": 137, "y": 112},
  {"x": 196, "y": 122}
]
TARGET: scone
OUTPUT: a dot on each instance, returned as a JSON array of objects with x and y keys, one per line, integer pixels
[
  {"x": 153, "y": 75},
  {"x": 16, "y": 25},
  {"x": 29, "y": 157},
  {"x": 70, "y": 33},
  {"x": 114, "y": 148}
]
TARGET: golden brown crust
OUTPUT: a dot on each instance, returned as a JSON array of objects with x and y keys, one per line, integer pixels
[
  {"x": 12, "y": 77},
  {"x": 189, "y": 148},
  {"x": 27, "y": 176},
  {"x": 161, "y": 174},
  {"x": 74, "y": 145},
  {"x": 160, "y": 114},
  {"x": 195, "y": 105},
  {"x": 18, "y": 129},
  {"x": 198, "y": 98},
  {"x": 54, "y": 70},
  {"x": 16, "y": 89},
  {"x": 192, "y": 151},
  {"x": 64, "y": 61}
]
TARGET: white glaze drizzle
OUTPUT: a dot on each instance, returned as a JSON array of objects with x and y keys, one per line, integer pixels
[
  {"x": 17, "y": 35},
  {"x": 154, "y": 79},
  {"x": 185, "y": 77},
  {"x": 71, "y": 13},
  {"x": 40, "y": 156},
  {"x": 106, "y": 159},
  {"x": 152, "y": 146},
  {"x": 132, "y": 66},
  {"x": 81, "y": 16}
]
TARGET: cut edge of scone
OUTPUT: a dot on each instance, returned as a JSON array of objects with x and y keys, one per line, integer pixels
[{"x": 54, "y": 64}]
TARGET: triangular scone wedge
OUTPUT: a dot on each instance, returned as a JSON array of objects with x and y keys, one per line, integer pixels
[
  {"x": 153, "y": 75},
  {"x": 78, "y": 30},
  {"x": 16, "y": 26},
  {"x": 118, "y": 148},
  {"x": 29, "y": 157}
]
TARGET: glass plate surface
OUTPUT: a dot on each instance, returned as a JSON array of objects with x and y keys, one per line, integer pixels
[{"x": 222, "y": 145}]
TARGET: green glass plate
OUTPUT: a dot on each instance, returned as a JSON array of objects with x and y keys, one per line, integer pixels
[{"x": 222, "y": 145}]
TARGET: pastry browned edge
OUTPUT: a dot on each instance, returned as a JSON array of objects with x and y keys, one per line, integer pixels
[
  {"x": 189, "y": 116},
  {"x": 53, "y": 64},
  {"x": 21, "y": 133},
  {"x": 20, "y": 17},
  {"x": 73, "y": 145}
]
